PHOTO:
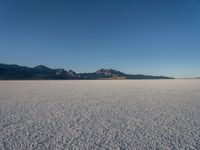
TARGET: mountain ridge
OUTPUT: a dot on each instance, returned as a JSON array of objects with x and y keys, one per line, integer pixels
[{"x": 41, "y": 72}]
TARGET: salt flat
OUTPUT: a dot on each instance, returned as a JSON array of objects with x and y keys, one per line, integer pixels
[{"x": 111, "y": 114}]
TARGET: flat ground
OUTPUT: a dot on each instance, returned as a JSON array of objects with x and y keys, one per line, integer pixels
[{"x": 112, "y": 114}]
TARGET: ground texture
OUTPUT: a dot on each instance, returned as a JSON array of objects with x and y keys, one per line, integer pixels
[{"x": 122, "y": 114}]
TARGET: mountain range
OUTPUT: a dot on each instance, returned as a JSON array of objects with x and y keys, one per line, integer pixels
[{"x": 41, "y": 72}]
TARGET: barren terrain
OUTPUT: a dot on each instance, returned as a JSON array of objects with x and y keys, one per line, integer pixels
[{"x": 104, "y": 114}]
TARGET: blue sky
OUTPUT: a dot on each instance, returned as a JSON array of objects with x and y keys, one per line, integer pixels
[{"x": 158, "y": 37}]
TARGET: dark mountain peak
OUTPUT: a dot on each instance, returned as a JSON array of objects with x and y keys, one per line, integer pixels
[
  {"x": 116, "y": 71},
  {"x": 109, "y": 72},
  {"x": 42, "y": 67},
  {"x": 72, "y": 73},
  {"x": 111, "y": 69},
  {"x": 103, "y": 72},
  {"x": 61, "y": 71}
]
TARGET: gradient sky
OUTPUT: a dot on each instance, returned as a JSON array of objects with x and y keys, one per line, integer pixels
[{"x": 158, "y": 37}]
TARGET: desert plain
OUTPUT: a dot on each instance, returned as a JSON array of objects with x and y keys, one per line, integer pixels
[{"x": 100, "y": 114}]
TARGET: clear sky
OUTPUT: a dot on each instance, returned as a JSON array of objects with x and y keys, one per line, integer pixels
[{"x": 158, "y": 37}]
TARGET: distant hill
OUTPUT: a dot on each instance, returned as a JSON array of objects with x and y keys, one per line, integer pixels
[
  {"x": 15, "y": 72},
  {"x": 115, "y": 74},
  {"x": 41, "y": 72}
]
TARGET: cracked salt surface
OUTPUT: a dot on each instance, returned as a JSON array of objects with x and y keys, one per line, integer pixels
[{"x": 116, "y": 114}]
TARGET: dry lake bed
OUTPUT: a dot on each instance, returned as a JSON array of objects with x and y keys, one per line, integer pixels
[{"x": 104, "y": 114}]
